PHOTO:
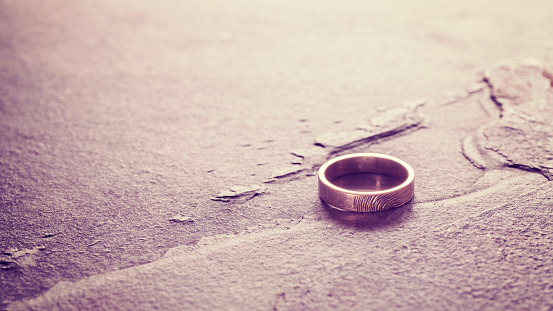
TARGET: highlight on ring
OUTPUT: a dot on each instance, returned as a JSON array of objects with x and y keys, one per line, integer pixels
[{"x": 366, "y": 182}]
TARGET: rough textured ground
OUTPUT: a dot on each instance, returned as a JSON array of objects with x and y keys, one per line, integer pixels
[{"x": 162, "y": 156}]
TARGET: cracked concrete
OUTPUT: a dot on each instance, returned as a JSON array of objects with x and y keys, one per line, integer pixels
[
  {"x": 120, "y": 122},
  {"x": 387, "y": 124},
  {"x": 521, "y": 134}
]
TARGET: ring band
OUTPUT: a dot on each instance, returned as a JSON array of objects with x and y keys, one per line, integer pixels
[{"x": 380, "y": 170}]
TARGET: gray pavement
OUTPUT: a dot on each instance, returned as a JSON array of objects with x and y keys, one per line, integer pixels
[{"x": 162, "y": 155}]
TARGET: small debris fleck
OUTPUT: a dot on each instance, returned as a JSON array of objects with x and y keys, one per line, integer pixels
[
  {"x": 50, "y": 235},
  {"x": 242, "y": 193},
  {"x": 310, "y": 157},
  {"x": 7, "y": 264},
  {"x": 285, "y": 172},
  {"x": 10, "y": 251},
  {"x": 181, "y": 218},
  {"x": 94, "y": 243}
]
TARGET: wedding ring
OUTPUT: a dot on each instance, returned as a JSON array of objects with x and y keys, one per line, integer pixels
[{"x": 366, "y": 182}]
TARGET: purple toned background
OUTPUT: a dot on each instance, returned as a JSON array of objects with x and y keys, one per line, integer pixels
[{"x": 163, "y": 154}]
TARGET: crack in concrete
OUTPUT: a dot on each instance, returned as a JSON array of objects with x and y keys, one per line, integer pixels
[
  {"x": 472, "y": 153},
  {"x": 492, "y": 96},
  {"x": 390, "y": 123},
  {"x": 469, "y": 92},
  {"x": 239, "y": 193},
  {"x": 520, "y": 136}
]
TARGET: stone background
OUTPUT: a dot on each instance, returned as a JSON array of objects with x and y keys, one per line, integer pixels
[{"x": 162, "y": 155}]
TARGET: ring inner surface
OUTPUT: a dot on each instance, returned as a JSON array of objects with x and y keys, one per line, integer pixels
[{"x": 366, "y": 174}]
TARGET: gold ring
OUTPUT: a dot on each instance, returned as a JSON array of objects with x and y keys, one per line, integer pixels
[{"x": 366, "y": 182}]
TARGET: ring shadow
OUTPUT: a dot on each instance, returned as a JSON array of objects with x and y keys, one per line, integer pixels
[{"x": 368, "y": 220}]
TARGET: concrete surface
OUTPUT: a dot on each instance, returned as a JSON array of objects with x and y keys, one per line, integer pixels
[{"x": 162, "y": 155}]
